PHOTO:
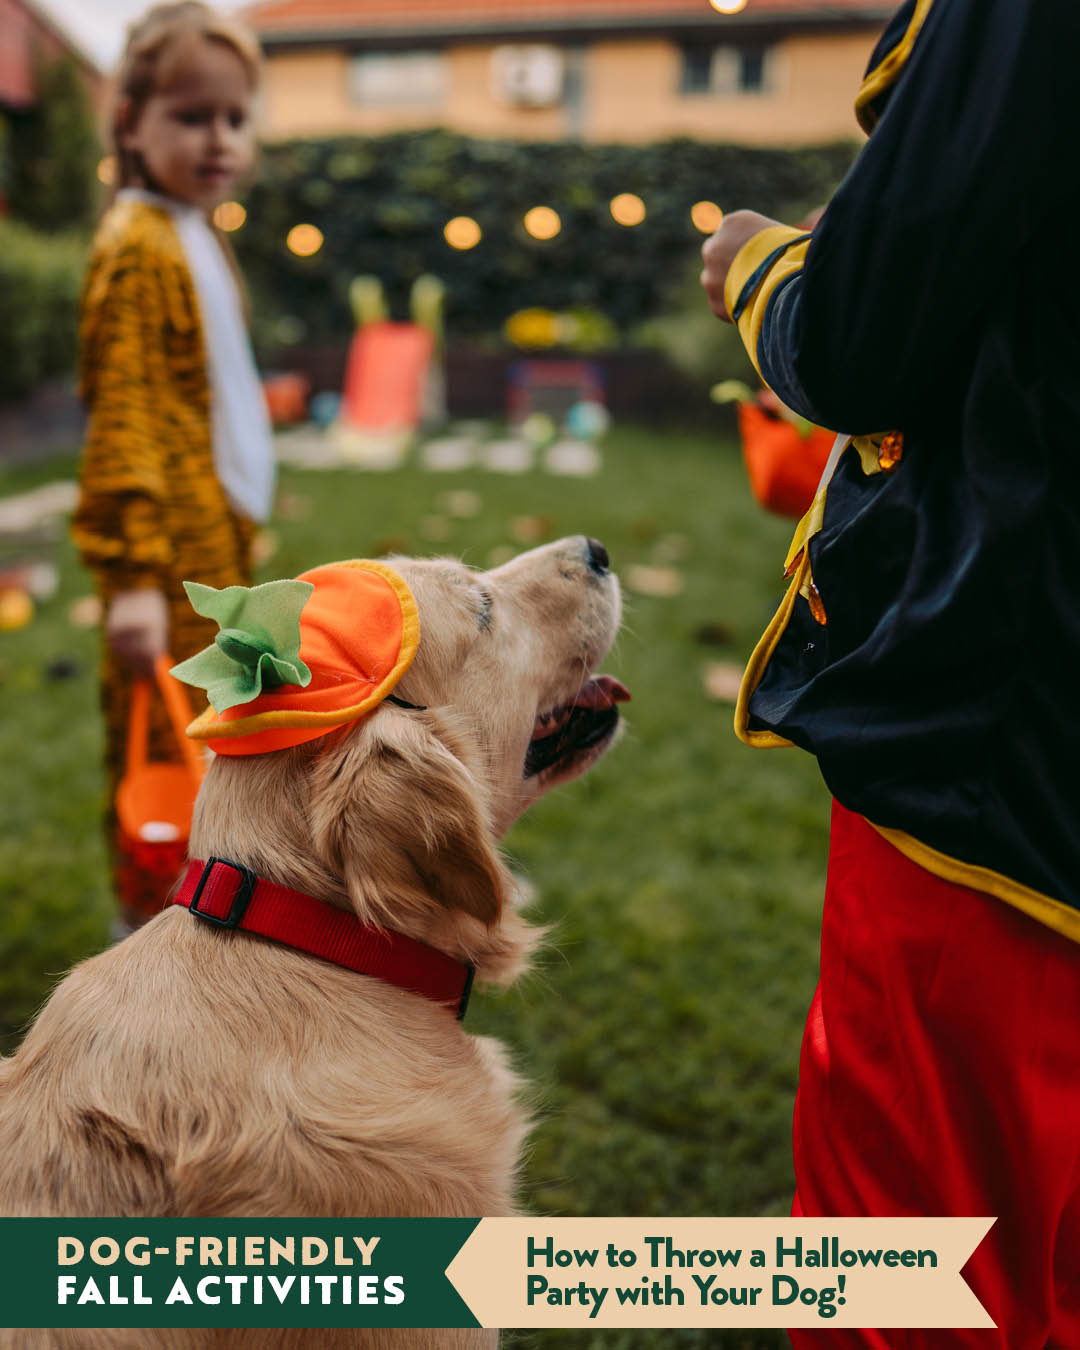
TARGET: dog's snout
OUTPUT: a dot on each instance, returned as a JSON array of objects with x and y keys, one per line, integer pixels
[{"x": 597, "y": 556}]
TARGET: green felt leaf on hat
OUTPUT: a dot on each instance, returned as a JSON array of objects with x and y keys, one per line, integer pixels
[{"x": 258, "y": 647}]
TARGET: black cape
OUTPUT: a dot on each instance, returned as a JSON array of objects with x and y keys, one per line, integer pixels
[{"x": 940, "y": 297}]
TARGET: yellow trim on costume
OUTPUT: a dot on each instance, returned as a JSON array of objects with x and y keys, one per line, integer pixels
[
  {"x": 798, "y": 557},
  {"x": 887, "y": 72},
  {"x": 749, "y": 258},
  {"x": 869, "y": 452},
  {"x": 1053, "y": 913},
  {"x": 759, "y": 659},
  {"x": 206, "y": 727},
  {"x": 810, "y": 525}
]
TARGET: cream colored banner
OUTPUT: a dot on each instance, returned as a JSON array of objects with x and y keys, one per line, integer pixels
[{"x": 720, "y": 1273}]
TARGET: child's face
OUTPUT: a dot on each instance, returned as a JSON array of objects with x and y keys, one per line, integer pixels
[{"x": 195, "y": 135}]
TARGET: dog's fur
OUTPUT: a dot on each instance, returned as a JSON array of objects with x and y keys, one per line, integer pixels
[{"x": 188, "y": 1071}]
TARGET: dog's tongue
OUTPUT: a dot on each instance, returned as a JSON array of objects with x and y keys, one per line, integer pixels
[{"x": 601, "y": 692}]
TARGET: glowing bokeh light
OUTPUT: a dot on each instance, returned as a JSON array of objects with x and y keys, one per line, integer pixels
[
  {"x": 304, "y": 240},
  {"x": 229, "y": 216},
  {"x": 106, "y": 170},
  {"x": 462, "y": 232},
  {"x": 542, "y": 222},
  {"x": 728, "y": 6},
  {"x": 706, "y": 216},
  {"x": 627, "y": 209}
]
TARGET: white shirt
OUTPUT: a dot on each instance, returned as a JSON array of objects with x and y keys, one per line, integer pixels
[{"x": 240, "y": 424}]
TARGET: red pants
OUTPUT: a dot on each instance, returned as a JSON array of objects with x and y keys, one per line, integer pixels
[{"x": 940, "y": 1075}]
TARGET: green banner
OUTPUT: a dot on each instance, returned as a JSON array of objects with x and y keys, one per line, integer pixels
[{"x": 231, "y": 1272}]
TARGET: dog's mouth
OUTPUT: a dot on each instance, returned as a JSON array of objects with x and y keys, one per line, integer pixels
[{"x": 567, "y": 733}]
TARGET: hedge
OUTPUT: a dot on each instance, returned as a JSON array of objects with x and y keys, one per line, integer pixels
[
  {"x": 40, "y": 280},
  {"x": 50, "y": 179},
  {"x": 382, "y": 204}
]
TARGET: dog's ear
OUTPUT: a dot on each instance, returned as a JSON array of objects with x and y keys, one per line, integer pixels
[{"x": 403, "y": 821}]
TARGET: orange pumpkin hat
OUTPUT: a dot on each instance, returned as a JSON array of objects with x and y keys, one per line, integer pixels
[{"x": 296, "y": 659}]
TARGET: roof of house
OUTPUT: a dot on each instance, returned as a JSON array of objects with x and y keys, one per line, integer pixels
[
  {"x": 314, "y": 20},
  {"x": 24, "y": 23},
  {"x": 42, "y": 11}
]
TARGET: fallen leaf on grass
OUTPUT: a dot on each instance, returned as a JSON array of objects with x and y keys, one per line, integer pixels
[
  {"x": 85, "y": 612},
  {"x": 461, "y": 504},
  {"x": 263, "y": 547},
  {"x": 722, "y": 680},
  {"x": 658, "y": 581},
  {"x": 531, "y": 529}
]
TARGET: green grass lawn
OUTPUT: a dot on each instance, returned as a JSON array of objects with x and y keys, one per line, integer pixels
[{"x": 661, "y": 1026}]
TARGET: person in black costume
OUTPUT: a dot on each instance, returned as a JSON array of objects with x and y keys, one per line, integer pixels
[{"x": 928, "y": 648}]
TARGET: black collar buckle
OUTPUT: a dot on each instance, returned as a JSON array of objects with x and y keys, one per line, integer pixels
[{"x": 240, "y": 901}]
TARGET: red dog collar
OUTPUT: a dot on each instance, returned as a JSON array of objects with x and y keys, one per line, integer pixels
[{"x": 227, "y": 895}]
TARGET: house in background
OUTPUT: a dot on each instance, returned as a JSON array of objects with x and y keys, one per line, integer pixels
[
  {"x": 32, "y": 43},
  {"x": 776, "y": 72},
  {"x": 28, "y": 38}
]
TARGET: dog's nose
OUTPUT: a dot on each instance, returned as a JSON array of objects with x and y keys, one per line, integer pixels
[{"x": 598, "y": 556}]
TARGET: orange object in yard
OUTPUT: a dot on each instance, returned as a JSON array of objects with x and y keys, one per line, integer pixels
[
  {"x": 154, "y": 802},
  {"x": 385, "y": 379},
  {"x": 784, "y": 466},
  {"x": 286, "y": 397}
]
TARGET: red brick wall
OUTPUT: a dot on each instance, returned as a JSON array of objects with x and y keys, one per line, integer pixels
[
  {"x": 16, "y": 84},
  {"x": 25, "y": 35}
]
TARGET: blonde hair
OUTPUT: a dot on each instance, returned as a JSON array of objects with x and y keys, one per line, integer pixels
[{"x": 156, "y": 46}]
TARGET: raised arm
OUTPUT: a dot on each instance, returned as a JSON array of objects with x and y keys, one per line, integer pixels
[{"x": 963, "y": 175}]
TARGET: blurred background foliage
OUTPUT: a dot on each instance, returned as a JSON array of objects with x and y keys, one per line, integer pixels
[
  {"x": 40, "y": 280},
  {"x": 50, "y": 197},
  {"x": 51, "y": 152},
  {"x": 381, "y": 205}
]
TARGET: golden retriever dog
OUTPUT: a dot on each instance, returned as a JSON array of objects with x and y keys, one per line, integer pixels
[{"x": 190, "y": 1071}]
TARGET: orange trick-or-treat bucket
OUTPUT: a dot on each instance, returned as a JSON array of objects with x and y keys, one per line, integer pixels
[
  {"x": 154, "y": 802},
  {"x": 784, "y": 466}
]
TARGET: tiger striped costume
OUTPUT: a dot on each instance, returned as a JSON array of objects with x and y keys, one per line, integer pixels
[{"x": 152, "y": 512}]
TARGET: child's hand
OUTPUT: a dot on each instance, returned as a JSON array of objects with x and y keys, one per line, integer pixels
[
  {"x": 137, "y": 628},
  {"x": 719, "y": 250}
]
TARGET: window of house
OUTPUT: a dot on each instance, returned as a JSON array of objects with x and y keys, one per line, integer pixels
[
  {"x": 697, "y": 70},
  {"x": 382, "y": 78},
  {"x": 752, "y": 70},
  {"x": 528, "y": 76},
  {"x": 726, "y": 70}
]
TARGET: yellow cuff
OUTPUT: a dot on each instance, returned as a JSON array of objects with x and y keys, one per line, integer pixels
[{"x": 748, "y": 310}]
